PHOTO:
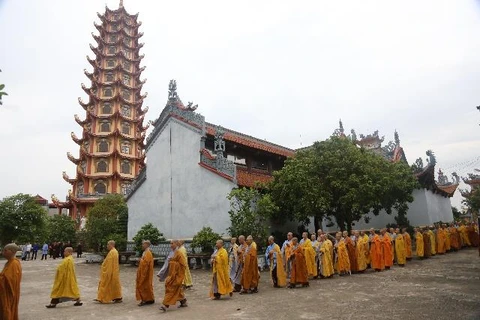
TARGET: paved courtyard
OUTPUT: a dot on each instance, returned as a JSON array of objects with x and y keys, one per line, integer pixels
[{"x": 443, "y": 287}]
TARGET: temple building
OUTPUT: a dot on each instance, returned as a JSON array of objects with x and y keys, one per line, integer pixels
[
  {"x": 192, "y": 167},
  {"x": 111, "y": 146}
]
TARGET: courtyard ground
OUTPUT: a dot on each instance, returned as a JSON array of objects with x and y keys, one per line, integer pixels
[{"x": 443, "y": 287}]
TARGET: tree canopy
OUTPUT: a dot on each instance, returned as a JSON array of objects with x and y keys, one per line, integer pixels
[
  {"x": 61, "y": 228},
  {"x": 336, "y": 179},
  {"x": 22, "y": 220},
  {"x": 107, "y": 220},
  {"x": 472, "y": 200},
  {"x": 147, "y": 232}
]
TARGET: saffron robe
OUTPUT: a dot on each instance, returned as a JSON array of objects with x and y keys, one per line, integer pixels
[
  {"x": 65, "y": 285},
  {"x": 448, "y": 245},
  {"x": 188, "y": 276},
  {"x": 109, "y": 287},
  {"x": 433, "y": 245},
  {"x": 342, "y": 257},
  {"x": 326, "y": 256},
  {"x": 376, "y": 253},
  {"x": 387, "y": 250},
  {"x": 400, "y": 251},
  {"x": 144, "y": 280},
  {"x": 440, "y": 241},
  {"x": 419, "y": 244},
  {"x": 454, "y": 238},
  {"x": 427, "y": 247},
  {"x": 281, "y": 274},
  {"x": 221, "y": 283},
  {"x": 408, "y": 244},
  {"x": 174, "y": 281},
  {"x": 309, "y": 254},
  {"x": 299, "y": 273},
  {"x": 465, "y": 241},
  {"x": 366, "y": 240},
  {"x": 361, "y": 252},
  {"x": 472, "y": 236},
  {"x": 250, "y": 268},
  {"x": 352, "y": 255},
  {"x": 10, "y": 278}
]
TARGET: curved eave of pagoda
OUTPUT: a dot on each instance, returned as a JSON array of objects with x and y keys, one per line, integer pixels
[
  {"x": 76, "y": 139},
  {"x": 119, "y": 11},
  {"x": 101, "y": 41},
  {"x": 73, "y": 159},
  {"x": 67, "y": 178},
  {"x": 96, "y": 176},
  {"x": 118, "y": 66},
  {"x": 116, "y": 132},
  {"x": 90, "y": 75},
  {"x": 142, "y": 111},
  {"x": 128, "y": 119},
  {"x": 98, "y": 52},
  {"x": 80, "y": 122},
  {"x": 86, "y": 105},
  {"x": 88, "y": 91},
  {"x": 60, "y": 204}
]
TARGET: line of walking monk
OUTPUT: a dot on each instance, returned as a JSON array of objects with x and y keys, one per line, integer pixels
[{"x": 236, "y": 270}]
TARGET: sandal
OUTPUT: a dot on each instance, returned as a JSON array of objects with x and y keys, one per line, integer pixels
[
  {"x": 50, "y": 306},
  {"x": 183, "y": 303},
  {"x": 163, "y": 309},
  {"x": 78, "y": 304}
]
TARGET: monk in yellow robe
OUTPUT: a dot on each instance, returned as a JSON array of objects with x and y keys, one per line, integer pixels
[
  {"x": 400, "y": 251},
  {"x": 221, "y": 283},
  {"x": 250, "y": 268},
  {"x": 387, "y": 249},
  {"x": 376, "y": 251},
  {"x": 427, "y": 246},
  {"x": 309, "y": 254},
  {"x": 433, "y": 244},
  {"x": 109, "y": 287},
  {"x": 448, "y": 246},
  {"x": 351, "y": 251},
  {"x": 408, "y": 244},
  {"x": 343, "y": 261},
  {"x": 275, "y": 263},
  {"x": 144, "y": 280},
  {"x": 366, "y": 240},
  {"x": 10, "y": 278},
  {"x": 361, "y": 252},
  {"x": 463, "y": 232},
  {"x": 299, "y": 274},
  {"x": 440, "y": 240},
  {"x": 419, "y": 243},
  {"x": 174, "y": 280},
  {"x": 65, "y": 287},
  {"x": 188, "y": 276},
  {"x": 326, "y": 257}
]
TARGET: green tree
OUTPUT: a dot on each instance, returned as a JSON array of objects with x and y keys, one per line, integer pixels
[
  {"x": 336, "y": 179},
  {"x": 61, "y": 228},
  {"x": 107, "y": 220},
  {"x": 205, "y": 239},
  {"x": 250, "y": 211},
  {"x": 147, "y": 232},
  {"x": 22, "y": 220},
  {"x": 472, "y": 200},
  {"x": 456, "y": 213}
]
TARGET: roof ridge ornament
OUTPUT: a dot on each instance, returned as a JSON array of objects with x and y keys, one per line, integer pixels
[
  {"x": 172, "y": 90},
  {"x": 120, "y": 5}
]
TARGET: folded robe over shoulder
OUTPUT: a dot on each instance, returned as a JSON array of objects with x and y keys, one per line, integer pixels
[
  {"x": 65, "y": 285},
  {"x": 173, "y": 283},
  {"x": 144, "y": 280},
  {"x": 109, "y": 287},
  {"x": 221, "y": 280},
  {"x": 10, "y": 278}
]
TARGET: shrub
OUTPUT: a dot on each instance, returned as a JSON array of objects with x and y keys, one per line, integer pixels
[
  {"x": 147, "y": 232},
  {"x": 205, "y": 239}
]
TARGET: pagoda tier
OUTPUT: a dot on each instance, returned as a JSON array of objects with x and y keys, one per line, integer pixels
[{"x": 112, "y": 142}]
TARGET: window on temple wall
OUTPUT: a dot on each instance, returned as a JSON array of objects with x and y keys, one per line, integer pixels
[
  {"x": 126, "y": 79},
  {"x": 110, "y": 63},
  {"x": 107, "y": 108},
  {"x": 126, "y": 147},
  {"x": 261, "y": 164},
  {"x": 109, "y": 77},
  {"x": 105, "y": 126},
  {"x": 126, "y": 111},
  {"x": 236, "y": 159},
  {"x": 107, "y": 92},
  {"x": 126, "y": 167},
  {"x": 113, "y": 38},
  {"x": 100, "y": 187},
  {"x": 102, "y": 166},
  {"x": 126, "y": 53},
  {"x": 125, "y": 187},
  {"x": 111, "y": 50},
  {"x": 126, "y": 94},
  {"x": 126, "y": 128},
  {"x": 126, "y": 65},
  {"x": 114, "y": 27},
  {"x": 116, "y": 17},
  {"x": 127, "y": 41},
  {"x": 103, "y": 146}
]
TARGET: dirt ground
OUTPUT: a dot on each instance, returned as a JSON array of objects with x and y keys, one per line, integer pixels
[{"x": 443, "y": 287}]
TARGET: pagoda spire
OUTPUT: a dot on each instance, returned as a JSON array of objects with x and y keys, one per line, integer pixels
[{"x": 120, "y": 5}]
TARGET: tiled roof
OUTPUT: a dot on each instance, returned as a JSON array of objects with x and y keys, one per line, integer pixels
[
  {"x": 450, "y": 189},
  {"x": 251, "y": 142},
  {"x": 249, "y": 179}
]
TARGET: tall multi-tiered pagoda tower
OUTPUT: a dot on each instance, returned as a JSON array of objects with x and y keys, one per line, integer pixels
[{"x": 112, "y": 142}]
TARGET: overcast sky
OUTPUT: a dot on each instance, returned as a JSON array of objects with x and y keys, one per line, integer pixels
[{"x": 279, "y": 70}]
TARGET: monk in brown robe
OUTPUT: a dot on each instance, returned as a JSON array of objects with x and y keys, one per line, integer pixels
[
  {"x": 472, "y": 235},
  {"x": 250, "y": 268},
  {"x": 299, "y": 274},
  {"x": 427, "y": 246},
  {"x": 387, "y": 249},
  {"x": 376, "y": 251},
  {"x": 408, "y": 243},
  {"x": 351, "y": 252},
  {"x": 144, "y": 285},
  {"x": 174, "y": 281},
  {"x": 454, "y": 238},
  {"x": 10, "y": 278}
]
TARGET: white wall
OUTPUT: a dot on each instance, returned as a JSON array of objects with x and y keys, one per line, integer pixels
[
  {"x": 426, "y": 209},
  {"x": 179, "y": 196}
]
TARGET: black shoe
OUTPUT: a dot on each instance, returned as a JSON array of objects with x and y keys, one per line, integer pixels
[{"x": 51, "y": 306}]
